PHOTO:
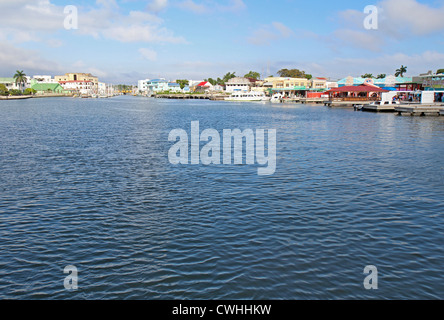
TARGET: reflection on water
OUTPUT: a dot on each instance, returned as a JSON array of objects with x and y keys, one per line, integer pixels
[{"x": 88, "y": 183}]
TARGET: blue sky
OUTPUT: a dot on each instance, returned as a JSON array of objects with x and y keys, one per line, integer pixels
[{"x": 122, "y": 41}]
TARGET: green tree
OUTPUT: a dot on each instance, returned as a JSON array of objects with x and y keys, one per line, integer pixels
[
  {"x": 228, "y": 76},
  {"x": 294, "y": 73},
  {"x": 30, "y": 92},
  {"x": 400, "y": 72},
  {"x": 440, "y": 71},
  {"x": 3, "y": 90},
  {"x": 15, "y": 92},
  {"x": 253, "y": 75},
  {"x": 381, "y": 76},
  {"x": 367, "y": 75},
  {"x": 20, "y": 78},
  {"x": 212, "y": 81},
  {"x": 183, "y": 83}
]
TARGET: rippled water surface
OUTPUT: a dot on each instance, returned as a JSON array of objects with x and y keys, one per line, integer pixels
[{"x": 88, "y": 183}]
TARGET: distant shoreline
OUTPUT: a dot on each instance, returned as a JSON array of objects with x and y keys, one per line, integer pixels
[{"x": 33, "y": 97}]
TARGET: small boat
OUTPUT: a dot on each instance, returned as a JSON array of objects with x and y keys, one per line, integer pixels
[
  {"x": 277, "y": 98},
  {"x": 248, "y": 97}
]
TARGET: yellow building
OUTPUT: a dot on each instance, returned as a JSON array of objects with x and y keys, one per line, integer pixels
[
  {"x": 319, "y": 83},
  {"x": 289, "y": 83},
  {"x": 78, "y": 77},
  {"x": 289, "y": 87}
]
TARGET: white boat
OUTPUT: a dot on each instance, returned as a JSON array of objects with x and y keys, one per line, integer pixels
[
  {"x": 277, "y": 98},
  {"x": 248, "y": 96}
]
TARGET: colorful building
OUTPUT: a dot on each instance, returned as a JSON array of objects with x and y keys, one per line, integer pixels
[
  {"x": 42, "y": 88},
  {"x": 78, "y": 77},
  {"x": 238, "y": 84}
]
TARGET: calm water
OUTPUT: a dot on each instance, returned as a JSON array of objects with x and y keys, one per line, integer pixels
[{"x": 88, "y": 183}]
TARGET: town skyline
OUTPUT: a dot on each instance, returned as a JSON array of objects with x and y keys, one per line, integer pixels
[{"x": 124, "y": 41}]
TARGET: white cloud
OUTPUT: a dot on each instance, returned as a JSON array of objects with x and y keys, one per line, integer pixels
[
  {"x": 192, "y": 6},
  {"x": 400, "y": 18},
  {"x": 411, "y": 16},
  {"x": 269, "y": 33},
  {"x": 354, "y": 38},
  {"x": 103, "y": 21},
  {"x": 157, "y": 5},
  {"x": 212, "y": 6},
  {"x": 148, "y": 54},
  {"x": 13, "y": 58},
  {"x": 233, "y": 6}
]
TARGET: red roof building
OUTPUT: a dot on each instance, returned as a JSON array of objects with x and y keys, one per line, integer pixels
[{"x": 364, "y": 92}]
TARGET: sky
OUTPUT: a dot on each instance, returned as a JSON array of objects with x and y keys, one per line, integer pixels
[{"x": 123, "y": 41}]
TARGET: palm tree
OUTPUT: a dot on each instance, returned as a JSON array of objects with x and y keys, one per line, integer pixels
[
  {"x": 401, "y": 71},
  {"x": 381, "y": 76},
  {"x": 20, "y": 78}
]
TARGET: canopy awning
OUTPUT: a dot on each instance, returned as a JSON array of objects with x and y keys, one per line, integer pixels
[{"x": 361, "y": 88}]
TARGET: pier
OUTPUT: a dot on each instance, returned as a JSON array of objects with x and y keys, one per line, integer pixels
[
  {"x": 342, "y": 103},
  {"x": 213, "y": 97},
  {"x": 15, "y": 97},
  {"x": 313, "y": 100},
  {"x": 420, "y": 110},
  {"x": 379, "y": 108}
]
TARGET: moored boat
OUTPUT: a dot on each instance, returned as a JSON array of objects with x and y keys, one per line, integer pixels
[{"x": 248, "y": 97}]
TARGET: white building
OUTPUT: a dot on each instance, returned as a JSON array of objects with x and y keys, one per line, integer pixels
[
  {"x": 143, "y": 85},
  {"x": 43, "y": 79},
  {"x": 105, "y": 89},
  {"x": 78, "y": 86},
  {"x": 238, "y": 84}
]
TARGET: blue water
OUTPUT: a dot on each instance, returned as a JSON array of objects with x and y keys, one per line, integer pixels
[{"x": 88, "y": 183}]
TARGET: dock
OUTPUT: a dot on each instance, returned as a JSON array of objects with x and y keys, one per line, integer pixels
[
  {"x": 15, "y": 97},
  {"x": 347, "y": 104},
  {"x": 213, "y": 97},
  {"x": 313, "y": 100},
  {"x": 380, "y": 108},
  {"x": 420, "y": 110}
]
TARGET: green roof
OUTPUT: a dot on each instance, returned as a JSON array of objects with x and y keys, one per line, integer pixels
[
  {"x": 47, "y": 86},
  {"x": 7, "y": 80}
]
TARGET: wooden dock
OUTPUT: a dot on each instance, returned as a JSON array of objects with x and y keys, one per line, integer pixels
[
  {"x": 314, "y": 100},
  {"x": 380, "y": 108},
  {"x": 420, "y": 110},
  {"x": 346, "y": 104},
  {"x": 213, "y": 97}
]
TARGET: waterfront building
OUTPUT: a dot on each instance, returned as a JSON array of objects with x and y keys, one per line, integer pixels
[
  {"x": 44, "y": 88},
  {"x": 332, "y": 84},
  {"x": 79, "y": 86},
  {"x": 157, "y": 85},
  {"x": 9, "y": 83},
  {"x": 390, "y": 83},
  {"x": 174, "y": 87},
  {"x": 238, "y": 84},
  {"x": 289, "y": 87},
  {"x": 432, "y": 81},
  {"x": 319, "y": 83},
  {"x": 193, "y": 84},
  {"x": 143, "y": 85},
  {"x": 362, "y": 93},
  {"x": 105, "y": 89},
  {"x": 204, "y": 86},
  {"x": 69, "y": 77}
]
